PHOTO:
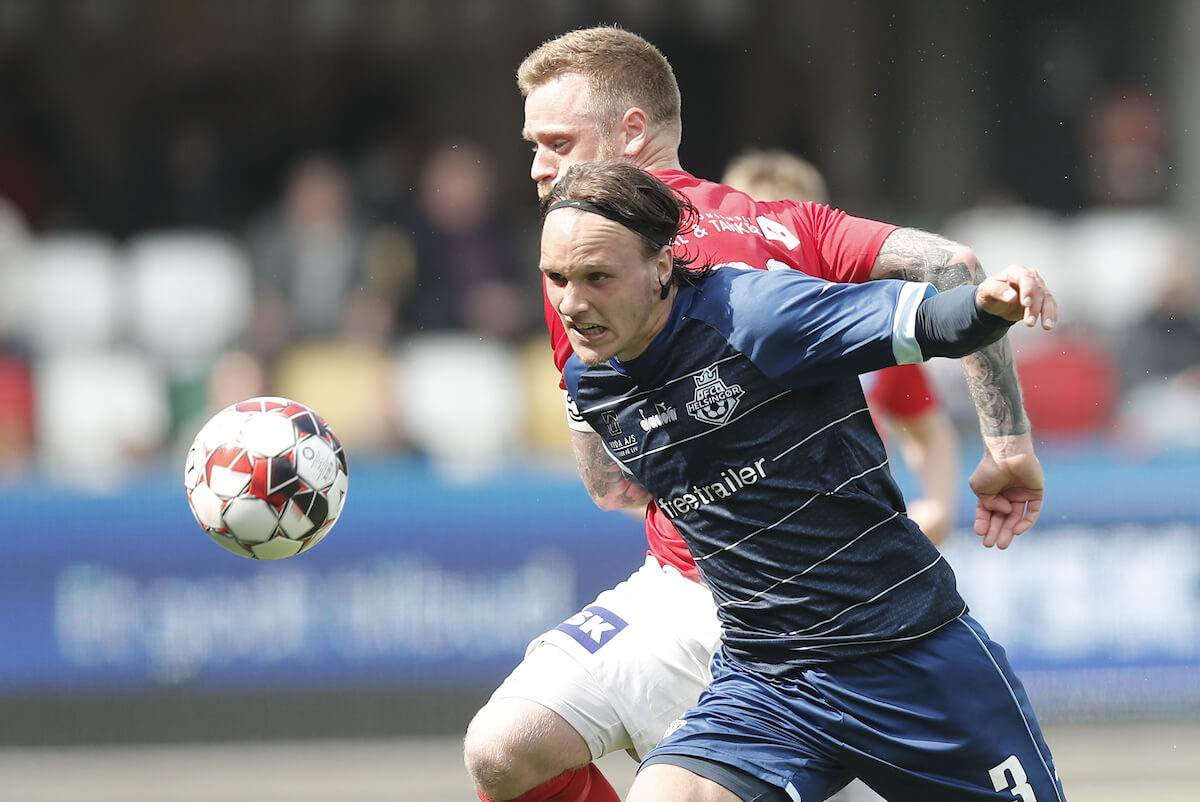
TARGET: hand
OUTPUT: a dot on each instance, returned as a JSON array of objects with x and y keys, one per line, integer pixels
[
  {"x": 1010, "y": 486},
  {"x": 1018, "y": 293}
]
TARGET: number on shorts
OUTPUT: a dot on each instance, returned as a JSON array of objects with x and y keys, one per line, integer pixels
[{"x": 1010, "y": 776}]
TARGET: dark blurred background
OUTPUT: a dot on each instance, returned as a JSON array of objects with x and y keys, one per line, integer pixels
[
  {"x": 126, "y": 114},
  {"x": 204, "y": 201}
]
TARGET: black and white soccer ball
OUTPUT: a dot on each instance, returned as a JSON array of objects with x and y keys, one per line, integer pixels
[{"x": 266, "y": 478}]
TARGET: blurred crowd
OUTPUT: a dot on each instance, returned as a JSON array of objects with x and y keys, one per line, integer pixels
[
  {"x": 342, "y": 294},
  {"x": 405, "y": 307}
]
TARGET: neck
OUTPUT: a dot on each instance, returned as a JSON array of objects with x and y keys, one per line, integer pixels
[{"x": 659, "y": 156}]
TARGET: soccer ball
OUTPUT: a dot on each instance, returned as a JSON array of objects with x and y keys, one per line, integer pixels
[{"x": 266, "y": 478}]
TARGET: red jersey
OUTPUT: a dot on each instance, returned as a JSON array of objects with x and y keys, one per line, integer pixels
[
  {"x": 733, "y": 228},
  {"x": 902, "y": 391}
]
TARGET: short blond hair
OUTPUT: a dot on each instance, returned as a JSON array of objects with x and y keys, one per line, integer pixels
[
  {"x": 769, "y": 175},
  {"x": 622, "y": 70}
]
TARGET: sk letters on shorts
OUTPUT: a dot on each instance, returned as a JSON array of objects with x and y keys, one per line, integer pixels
[{"x": 628, "y": 664}]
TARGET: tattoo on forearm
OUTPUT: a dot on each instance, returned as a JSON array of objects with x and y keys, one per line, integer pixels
[
  {"x": 992, "y": 381},
  {"x": 914, "y": 255}
]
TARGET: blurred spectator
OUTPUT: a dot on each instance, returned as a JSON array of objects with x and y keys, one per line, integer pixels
[
  {"x": 468, "y": 273},
  {"x": 1161, "y": 354},
  {"x": 1165, "y": 341},
  {"x": 776, "y": 175},
  {"x": 311, "y": 266},
  {"x": 328, "y": 289},
  {"x": 1126, "y": 145}
]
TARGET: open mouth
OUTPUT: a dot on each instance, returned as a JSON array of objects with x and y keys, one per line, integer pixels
[{"x": 589, "y": 332}]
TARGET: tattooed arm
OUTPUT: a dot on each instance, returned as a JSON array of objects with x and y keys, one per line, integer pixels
[
  {"x": 914, "y": 255},
  {"x": 602, "y": 477},
  {"x": 1008, "y": 481}
]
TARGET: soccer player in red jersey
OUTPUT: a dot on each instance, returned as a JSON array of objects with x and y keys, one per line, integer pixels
[{"x": 616, "y": 674}]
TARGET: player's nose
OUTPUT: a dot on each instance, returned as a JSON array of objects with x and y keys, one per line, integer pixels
[
  {"x": 571, "y": 301},
  {"x": 544, "y": 167}
]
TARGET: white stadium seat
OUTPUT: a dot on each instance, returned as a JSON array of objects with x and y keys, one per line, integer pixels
[
  {"x": 73, "y": 294},
  {"x": 191, "y": 295},
  {"x": 460, "y": 400},
  {"x": 98, "y": 414}
]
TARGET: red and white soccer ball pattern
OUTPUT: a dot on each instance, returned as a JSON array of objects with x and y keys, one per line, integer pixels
[{"x": 266, "y": 478}]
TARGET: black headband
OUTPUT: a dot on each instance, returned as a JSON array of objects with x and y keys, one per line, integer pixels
[{"x": 634, "y": 226}]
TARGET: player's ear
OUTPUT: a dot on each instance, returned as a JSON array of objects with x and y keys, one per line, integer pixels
[
  {"x": 665, "y": 265},
  {"x": 633, "y": 132}
]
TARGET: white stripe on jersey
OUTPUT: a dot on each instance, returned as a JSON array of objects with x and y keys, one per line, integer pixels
[
  {"x": 810, "y": 500},
  {"x": 904, "y": 323},
  {"x": 827, "y": 557},
  {"x": 865, "y": 602}
]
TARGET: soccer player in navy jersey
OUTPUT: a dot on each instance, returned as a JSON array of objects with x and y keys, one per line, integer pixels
[
  {"x": 602, "y": 92},
  {"x": 841, "y": 621}
]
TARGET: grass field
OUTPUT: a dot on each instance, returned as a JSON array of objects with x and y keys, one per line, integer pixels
[{"x": 1119, "y": 762}]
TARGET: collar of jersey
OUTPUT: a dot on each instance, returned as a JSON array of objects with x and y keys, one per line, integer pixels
[{"x": 642, "y": 366}]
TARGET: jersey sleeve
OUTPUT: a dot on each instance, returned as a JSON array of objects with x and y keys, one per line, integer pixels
[
  {"x": 800, "y": 330},
  {"x": 903, "y": 391},
  {"x": 846, "y": 246}
]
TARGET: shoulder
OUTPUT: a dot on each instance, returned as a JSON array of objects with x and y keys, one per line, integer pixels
[
  {"x": 573, "y": 370},
  {"x": 735, "y": 292}
]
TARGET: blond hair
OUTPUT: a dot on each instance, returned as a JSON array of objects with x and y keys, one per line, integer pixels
[
  {"x": 769, "y": 175},
  {"x": 622, "y": 70}
]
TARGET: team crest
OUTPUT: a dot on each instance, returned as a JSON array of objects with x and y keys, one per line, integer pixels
[{"x": 714, "y": 401}]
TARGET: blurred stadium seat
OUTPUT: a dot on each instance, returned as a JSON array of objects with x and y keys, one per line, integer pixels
[
  {"x": 459, "y": 399},
  {"x": 191, "y": 295},
  {"x": 545, "y": 419},
  {"x": 347, "y": 383},
  {"x": 98, "y": 413},
  {"x": 1123, "y": 257},
  {"x": 74, "y": 298}
]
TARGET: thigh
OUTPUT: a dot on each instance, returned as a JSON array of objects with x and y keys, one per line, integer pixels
[
  {"x": 945, "y": 717},
  {"x": 771, "y": 731},
  {"x": 627, "y": 665},
  {"x": 664, "y": 782}
]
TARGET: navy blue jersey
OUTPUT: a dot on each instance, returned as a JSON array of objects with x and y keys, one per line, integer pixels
[{"x": 746, "y": 420}]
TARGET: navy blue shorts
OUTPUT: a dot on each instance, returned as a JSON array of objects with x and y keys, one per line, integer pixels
[{"x": 941, "y": 718}]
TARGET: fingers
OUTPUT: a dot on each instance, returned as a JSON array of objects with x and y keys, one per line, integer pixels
[
  {"x": 1036, "y": 298},
  {"x": 998, "y": 520},
  {"x": 1019, "y": 293}
]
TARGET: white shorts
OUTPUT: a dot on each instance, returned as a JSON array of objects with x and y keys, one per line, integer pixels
[{"x": 628, "y": 664}]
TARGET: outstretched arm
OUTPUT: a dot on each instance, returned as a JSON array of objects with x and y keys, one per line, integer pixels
[{"x": 1009, "y": 481}]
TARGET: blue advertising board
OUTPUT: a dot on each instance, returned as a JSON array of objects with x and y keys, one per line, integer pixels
[
  {"x": 426, "y": 581},
  {"x": 421, "y": 579}
]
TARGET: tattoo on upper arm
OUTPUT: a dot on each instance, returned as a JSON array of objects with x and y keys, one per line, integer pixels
[{"x": 914, "y": 255}]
